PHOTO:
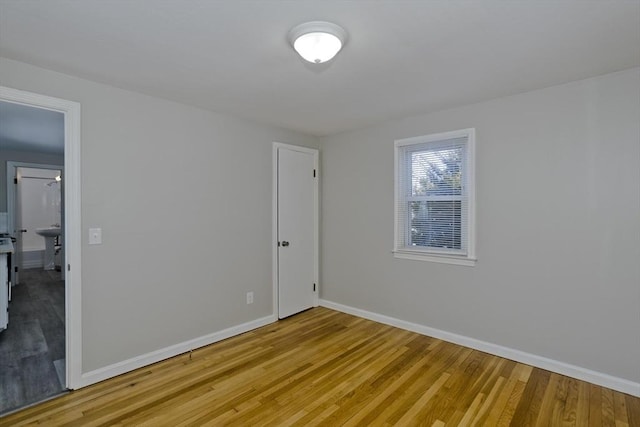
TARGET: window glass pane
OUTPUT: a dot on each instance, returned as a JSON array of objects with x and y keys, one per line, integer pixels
[
  {"x": 436, "y": 172},
  {"x": 436, "y": 224},
  {"x": 435, "y": 197}
]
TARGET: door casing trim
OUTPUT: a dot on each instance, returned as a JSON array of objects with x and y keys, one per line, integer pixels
[{"x": 73, "y": 220}]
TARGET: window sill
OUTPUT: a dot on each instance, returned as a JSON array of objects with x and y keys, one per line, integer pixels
[{"x": 444, "y": 258}]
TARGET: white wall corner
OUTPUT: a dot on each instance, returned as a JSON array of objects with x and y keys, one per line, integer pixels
[
  {"x": 599, "y": 378},
  {"x": 143, "y": 360}
]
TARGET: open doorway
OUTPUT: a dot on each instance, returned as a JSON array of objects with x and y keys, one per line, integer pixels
[
  {"x": 35, "y": 214},
  {"x": 32, "y": 344},
  {"x": 41, "y": 353}
]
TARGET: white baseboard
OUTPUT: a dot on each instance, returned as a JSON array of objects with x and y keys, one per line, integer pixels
[
  {"x": 119, "y": 368},
  {"x": 32, "y": 259},
  {"x": 32, "y": 265},
  {"x": 604, "y": 380}
]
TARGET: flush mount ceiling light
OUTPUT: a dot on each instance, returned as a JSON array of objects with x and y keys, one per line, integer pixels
[{"x": 317, "y": 41}]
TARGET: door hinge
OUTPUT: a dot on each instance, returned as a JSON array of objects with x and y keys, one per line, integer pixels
[
  {"x": 314, "y": 173},
  {"x": 15, "y": 180},
  {"x": 15, "y": 269},
  {"x": 68, "y": 267},
  {"x": 314, "y": 287}
]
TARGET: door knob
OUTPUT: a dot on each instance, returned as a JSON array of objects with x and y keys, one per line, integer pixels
[
  {"x": 285, "y": 243},
  {"x": 22, "y": 231}
]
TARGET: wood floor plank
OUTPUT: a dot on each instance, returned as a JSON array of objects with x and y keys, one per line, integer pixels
[
  {"x": 608, "y": 413},
  {"x": 508, "y": 414},
  {"x": 461, "y": 389},
  {"x": 620, "y": 410},
  {"x": 633, "y": 410},
  {"x": 468, "y": 408},
  {"x": 595, "y": 405},
  {"x": 327, "y": 368},
  {"x": 402, "y": 372},
  {"x": 412, "y": 413},
  {"x": 549, "y": 402},
  {"x": 488, "y": 402},
  {"x": 500, "y": 402},
  {"x": 528, "y": 410},
  {"x": 444, "y": 361}
]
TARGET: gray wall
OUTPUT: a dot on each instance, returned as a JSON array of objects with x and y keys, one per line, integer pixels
[
  {"x": 21, "y": 156},
  {"x": 183, "y": 197},
  {"x": 558, "y": 226}
]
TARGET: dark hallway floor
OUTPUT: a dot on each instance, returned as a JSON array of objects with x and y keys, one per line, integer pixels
[{"x": 32, "y": 348}]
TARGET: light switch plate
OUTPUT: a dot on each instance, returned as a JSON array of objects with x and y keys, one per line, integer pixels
[{"x": 95, "y": 236}]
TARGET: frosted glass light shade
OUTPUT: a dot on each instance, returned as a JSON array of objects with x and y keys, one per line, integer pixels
[
  {"x": 317, "y": 41},
  {"x": 317, "y": 47}
]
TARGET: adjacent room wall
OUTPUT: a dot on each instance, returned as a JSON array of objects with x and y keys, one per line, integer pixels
[
  {"x": 21, "y": 156},
  {"x": 183, "y": 197},
  {"x": 558, "y": 226},
  {"x": 40, "y": 204}
]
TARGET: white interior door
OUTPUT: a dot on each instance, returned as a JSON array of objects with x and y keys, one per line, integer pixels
[{"x": 296, "y": 229}]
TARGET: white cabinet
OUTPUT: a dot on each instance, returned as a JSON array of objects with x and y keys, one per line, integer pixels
[
  {"x": 4, "y": 293},
  {"x": 6, "y": 247}
]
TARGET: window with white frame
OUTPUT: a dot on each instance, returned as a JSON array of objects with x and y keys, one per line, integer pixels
[{"x": 435, "y": 197}]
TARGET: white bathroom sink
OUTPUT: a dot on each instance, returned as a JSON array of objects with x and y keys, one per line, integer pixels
[{"x": 48, "y": 231}]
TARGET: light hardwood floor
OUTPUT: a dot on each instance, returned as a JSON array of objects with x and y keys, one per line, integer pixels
[{"x": 323, "y": 367}]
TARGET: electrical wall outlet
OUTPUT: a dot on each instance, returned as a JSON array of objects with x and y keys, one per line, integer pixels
[
  {"x": 95, "y": 236},
  {"x": 249, "y": 297}
]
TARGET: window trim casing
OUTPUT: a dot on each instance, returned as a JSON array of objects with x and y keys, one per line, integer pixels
[{"x": 427, "y": 254}]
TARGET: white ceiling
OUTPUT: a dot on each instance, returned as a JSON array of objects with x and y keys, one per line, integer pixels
[{"x": 402, "y": 57}]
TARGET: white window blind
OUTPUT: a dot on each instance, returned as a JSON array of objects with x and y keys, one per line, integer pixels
[{"x": 433, "y": 197}]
